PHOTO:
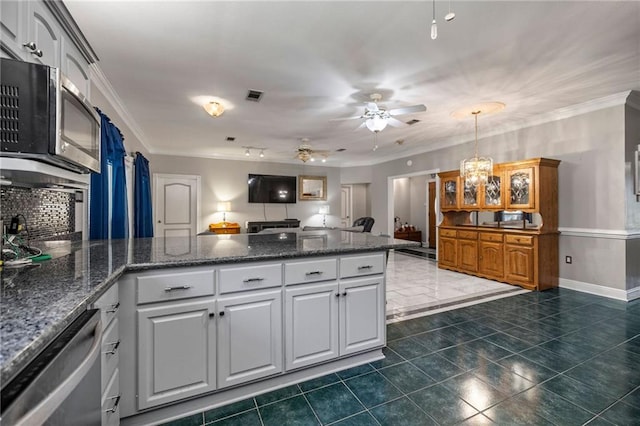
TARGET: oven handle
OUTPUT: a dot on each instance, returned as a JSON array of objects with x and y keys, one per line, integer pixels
[{"x": 40, "y": 413}]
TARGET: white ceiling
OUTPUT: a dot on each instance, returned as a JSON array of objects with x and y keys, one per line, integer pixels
[{"x": 319, "y": 60}]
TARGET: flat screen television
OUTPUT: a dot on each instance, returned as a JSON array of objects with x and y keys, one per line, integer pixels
[{"x": 272, "y": 189}]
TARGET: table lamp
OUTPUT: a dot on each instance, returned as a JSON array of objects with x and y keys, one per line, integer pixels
[{"x": 324, "y": 211}]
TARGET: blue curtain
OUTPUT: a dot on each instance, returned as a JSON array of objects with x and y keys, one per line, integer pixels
[
  {"x": 111, "y": 152},
  {"x": 143, "y": 220}
]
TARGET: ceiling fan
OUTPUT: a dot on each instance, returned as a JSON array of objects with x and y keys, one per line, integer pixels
[
  {"x": 376, "y": 118},
  {"x": 306, "y": 153}
]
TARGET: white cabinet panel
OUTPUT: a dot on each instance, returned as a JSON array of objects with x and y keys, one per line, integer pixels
[
  {"x": 245, "y": 277},
  {"x": 110, "y": 352},
  {"x": 174, "y": 285},
  {"x": 311, "y": 324},
  {"x": 356, "y": 266},
  {"x": 362, "y": 315},
  {"x": 176, "y": 351},
  {"x": 111, "y": 402},
  {"x": 13, "y": 34},
  {"x": 75, "y": 67},
  {"x": 249, "y": 337},
  {"x": 309, "y": 271},
  {"x": 46, "y": 33}
]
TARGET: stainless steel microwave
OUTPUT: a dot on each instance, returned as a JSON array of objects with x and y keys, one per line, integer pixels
[{"x": 45, "y": 117}]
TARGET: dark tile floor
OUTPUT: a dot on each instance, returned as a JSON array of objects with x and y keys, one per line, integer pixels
[{"x": 557, "y": 357}]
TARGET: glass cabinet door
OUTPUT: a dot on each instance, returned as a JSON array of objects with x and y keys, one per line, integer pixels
[
  {"x": 493, "y": 193},
  {"x": 470, "y": 196},
  {"x": 521, "y": 186},
  {"x": 449, "y": 193}
]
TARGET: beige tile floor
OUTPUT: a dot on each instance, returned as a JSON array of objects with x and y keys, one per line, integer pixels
[{"x": 417, "y": 287}]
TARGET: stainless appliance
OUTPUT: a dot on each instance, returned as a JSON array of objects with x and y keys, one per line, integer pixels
[
  {"x": 62, "y": 385},
  {"x": 45, "y": 117}
]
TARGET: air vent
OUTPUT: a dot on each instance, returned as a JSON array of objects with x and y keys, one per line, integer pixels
[
  {"x": 9, "y": 123},
  {"x": 341, "y": 149},
  {"x": 254, "y": 95},
  {"x": 230, "y": 139},
  {"x": 412, "y": 122}
]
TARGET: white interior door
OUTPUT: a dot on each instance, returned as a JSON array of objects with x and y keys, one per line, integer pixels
[
  {"x": 345, "y": 206},
  {"x": 177, "y": 205}
]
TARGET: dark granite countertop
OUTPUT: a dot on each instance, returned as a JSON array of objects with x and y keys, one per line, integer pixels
[{"x": 40, "y": 300}]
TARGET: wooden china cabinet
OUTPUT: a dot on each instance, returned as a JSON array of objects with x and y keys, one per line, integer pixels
[{"x": 505, "y": 229}]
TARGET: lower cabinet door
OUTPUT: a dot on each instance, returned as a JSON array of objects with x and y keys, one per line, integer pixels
[
  {"x": 249, "y": 336},
  {"x": 447, "y": 253},
  {"x": 311, "y": 324},
  {"x": 519, "y": 264},
  {"x": 362, "y": 314},
  {"x": 176, "y": 351},
  {"x": 491, "y": 259},
  {"x": 468, "y": 255}
]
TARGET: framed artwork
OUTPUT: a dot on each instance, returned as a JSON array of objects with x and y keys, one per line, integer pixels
[{"x": 312, "y": 188}]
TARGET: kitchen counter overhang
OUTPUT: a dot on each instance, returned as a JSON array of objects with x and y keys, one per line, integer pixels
[{"x": 41, "y": 300}]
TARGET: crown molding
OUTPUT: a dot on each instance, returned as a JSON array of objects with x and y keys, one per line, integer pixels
[
  {"x": 104, "y": 85},
  {"x": 634, "y": 100}
]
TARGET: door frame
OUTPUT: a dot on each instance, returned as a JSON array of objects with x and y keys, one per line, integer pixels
[
  {"x": 350, "y": 188},
  {"x": 157, "y": 176},
  {"x": 390, "y": 199}
]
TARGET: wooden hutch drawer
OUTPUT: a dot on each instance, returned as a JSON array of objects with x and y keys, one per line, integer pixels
[
  {"x": 447, "y": 233},
  {"x": 524, "y": 240},
  {"x": 491, "y": 236},
  {"x": 468, "y": 235}
]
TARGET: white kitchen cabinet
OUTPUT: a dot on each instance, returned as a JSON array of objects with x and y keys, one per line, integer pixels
[
  {"x": 13, "y": 30},
  {"x": 362, "y": 314},
  {"x": 311, "y": 324},
  {"x": 176, "y": 351},
  {"x": 44, "y": 30},
  {"x": 249, "y": 336},
  {"x": 75, "y": 67}
]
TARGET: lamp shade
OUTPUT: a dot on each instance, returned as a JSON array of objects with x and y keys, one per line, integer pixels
[
  {"x": 376, "y": 123},
  {"x": 224, "y": 206},
  {"x": 324, "y": 209},
  {"x": 214, "y": 109}
]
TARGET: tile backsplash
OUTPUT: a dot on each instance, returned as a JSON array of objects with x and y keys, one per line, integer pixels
[{"x": 49, "y": 214}]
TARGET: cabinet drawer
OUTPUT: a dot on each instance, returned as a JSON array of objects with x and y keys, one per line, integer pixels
[
  {"x": 108, "y": 305},
  {"x": 110, "y": 352},
  {"x": 355, "y": 266},
  {"x": 490, "y": 236},
  {"x": 447, "y": 232},
  {"x": 161, "y": 287},
  {"x": 468, "y": 235},
  {"x": 250, "y": 277},
  {"x": 524, "y": 240},
  {"x": 310, "y": 271},
  {"x": 111, "y": 402}
]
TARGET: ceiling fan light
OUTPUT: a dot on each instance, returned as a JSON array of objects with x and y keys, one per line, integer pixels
[
  {"x": 214, "y": 109},
  {"x": 434, "y": 30},
  {"x": 376, "y": 123}
]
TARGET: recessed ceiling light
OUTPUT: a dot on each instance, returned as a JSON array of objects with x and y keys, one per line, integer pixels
[
  {"x": 341, "y": 149},
  {"x": 230, "y": 139}
]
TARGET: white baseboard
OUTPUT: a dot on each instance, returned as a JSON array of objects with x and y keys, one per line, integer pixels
[{"x": 598, "y": 290}]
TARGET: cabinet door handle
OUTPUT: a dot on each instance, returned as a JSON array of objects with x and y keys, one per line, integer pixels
[
  {"x": 337, "y": 294},
  {"x": 113, "y": 309},
  {"x": 178, "y": 287},
  {"x": 31, "y": 45},
  {"x": 314, "y": 273},
  {"x": 344, "y": 293},
  {"x": 114, "y": 349},
  {"x": 221, "y": 313},
  {"x": 212, "y": 314},
  {"x": 115, "y": 404},
  {"x": 360, "y": 268},
  {"x": 253, "y": 280},
  {"x": 37, "y": 53}
]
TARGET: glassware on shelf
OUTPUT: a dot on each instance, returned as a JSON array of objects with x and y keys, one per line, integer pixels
[
  {"x": 492, "y": 191},
  {"x": 520, "y": 188}
]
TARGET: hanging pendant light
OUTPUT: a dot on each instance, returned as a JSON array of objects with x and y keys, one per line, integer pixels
[
  {"x": 449, "y": 16},
  {"x": 434, "y": 26},
  {"x": 476, "y": 170}
]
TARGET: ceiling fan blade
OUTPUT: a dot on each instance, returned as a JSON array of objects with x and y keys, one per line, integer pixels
[
  {"x": 347, "y": 118},
  {"x": 361, "y": 126},
  {"x": 396, "y": 123},
  {"x": 407, "y": 110}
]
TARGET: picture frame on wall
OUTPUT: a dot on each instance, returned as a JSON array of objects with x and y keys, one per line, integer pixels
[{"x": 312, "y": 188}]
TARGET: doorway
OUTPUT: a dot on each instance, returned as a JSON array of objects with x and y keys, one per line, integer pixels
[{"x": 412, "y": 200}]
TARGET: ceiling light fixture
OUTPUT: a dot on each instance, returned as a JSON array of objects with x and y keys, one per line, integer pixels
[
  {"x": 247, "y": 152},
  {"x": 376, "y": 123},
  {"x": 449, "y": 16},
  {"x": 214, "y": 109},
  {"x": 477, "y": 170},
  {"x": 262, "y": 153},
  {"x": 434, "y": 26}
]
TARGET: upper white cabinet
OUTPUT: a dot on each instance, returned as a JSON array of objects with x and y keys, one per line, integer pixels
[{"x": 45, "y": 33}]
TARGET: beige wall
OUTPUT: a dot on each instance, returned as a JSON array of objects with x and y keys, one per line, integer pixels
[{"x": 224, "y": 180}]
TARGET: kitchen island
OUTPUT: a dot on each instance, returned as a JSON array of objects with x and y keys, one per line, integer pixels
[{"x": 39, "y": 301}]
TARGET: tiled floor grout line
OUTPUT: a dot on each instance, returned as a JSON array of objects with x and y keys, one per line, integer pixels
[
  {"x": 356, "y": 396},
  {"x": 312, "y": 409}
]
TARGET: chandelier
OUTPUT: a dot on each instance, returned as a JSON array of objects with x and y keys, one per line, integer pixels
[{"x": 476, "y": 170}]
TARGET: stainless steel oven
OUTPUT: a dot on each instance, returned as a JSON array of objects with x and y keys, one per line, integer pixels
[
  {"x": 45, "y": 117},
  {"x": 62, "y": 385}
]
